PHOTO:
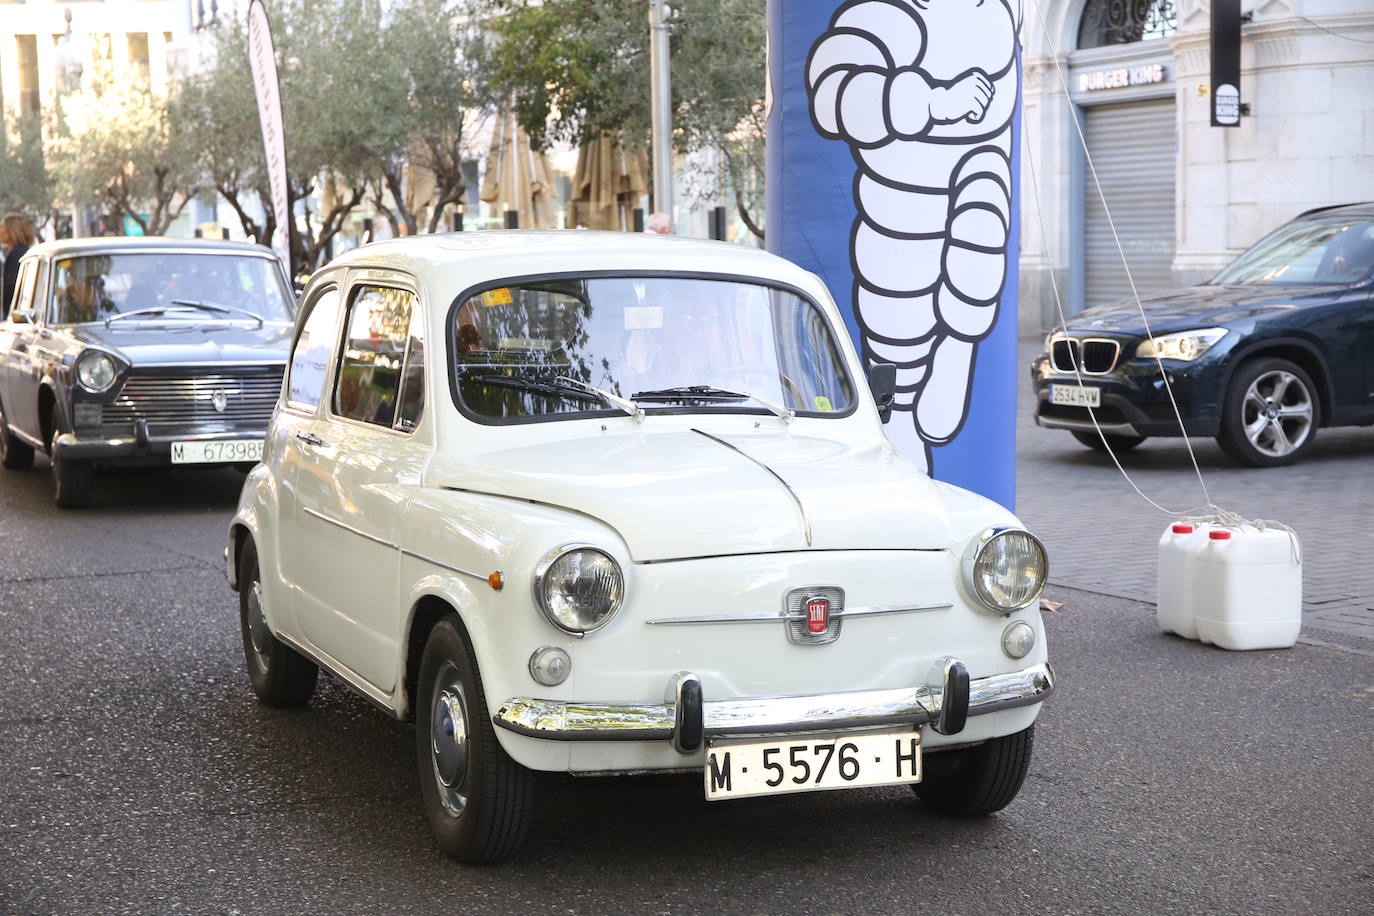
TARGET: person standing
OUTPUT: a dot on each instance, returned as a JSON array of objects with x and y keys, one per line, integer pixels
[{"x": 16, "y": 235}]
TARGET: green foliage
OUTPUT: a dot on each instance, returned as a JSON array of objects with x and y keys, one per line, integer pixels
[
  {"x": 118, "y": 147},
  {"x": 25, "y": 185},
  {"x": 573, "y": 69}
]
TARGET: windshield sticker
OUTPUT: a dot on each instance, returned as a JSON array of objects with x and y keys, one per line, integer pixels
[
  {"x": 499, "y": 296},
  {"x": 823, "y": 402},
  {"x": 643, "y": 317},
  {"x": 526, "y": 343}
]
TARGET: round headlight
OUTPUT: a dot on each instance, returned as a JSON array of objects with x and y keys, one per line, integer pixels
[
  {"x": 1005, "y": 569},
  {"x": 96, "y": 371},
  {"x": 578, "y": 588}
]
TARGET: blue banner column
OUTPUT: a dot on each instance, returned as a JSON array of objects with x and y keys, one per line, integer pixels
[{"x": 892, "y": 173}]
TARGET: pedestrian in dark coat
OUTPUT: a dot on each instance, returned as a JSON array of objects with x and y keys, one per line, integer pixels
[{"x": 16, "y": 235}]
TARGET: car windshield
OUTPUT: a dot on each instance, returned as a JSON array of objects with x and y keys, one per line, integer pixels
[
  {"x": 540, "y": 349},
  {"x": 1320, "y": 251},
  {"x": 168, "y": 285}
]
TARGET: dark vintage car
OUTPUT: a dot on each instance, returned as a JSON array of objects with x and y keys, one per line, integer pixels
[
  {"x": 132, "y": 351},
  {"x": 1275, "y": 346}
]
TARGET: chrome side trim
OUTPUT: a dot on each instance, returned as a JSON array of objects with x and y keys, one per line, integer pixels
[
  {"x": 875, "y": 611},
  {"x": 432, "y": 562},
  {"x": 565, "y": 721},
  {"x": 338, "y": 524},
  {"x": 801, "y": 510}
]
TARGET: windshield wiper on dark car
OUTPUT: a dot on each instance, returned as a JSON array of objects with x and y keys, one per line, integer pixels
[
  {"x": 218, "y": 307},
  {"x": 177, "y": 305}
]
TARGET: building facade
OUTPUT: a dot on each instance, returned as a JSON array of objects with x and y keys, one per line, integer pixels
[{"x": 1116, "y": 96}]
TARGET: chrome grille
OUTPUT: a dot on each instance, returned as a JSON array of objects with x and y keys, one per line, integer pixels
[
  {"x": 179, "y": 400},
  {"x": 795, "y": 608},
  {"x": 1094, "y": 355}
]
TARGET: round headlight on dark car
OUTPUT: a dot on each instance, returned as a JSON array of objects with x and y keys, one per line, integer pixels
[
  {"x": 1004, "y": 568},
  {"x": 96, "y": 371},
  {"x": 579, "y": 588}
]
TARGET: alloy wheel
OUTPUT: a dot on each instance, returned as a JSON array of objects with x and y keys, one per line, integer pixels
[{"x": 1277, "y": 413}]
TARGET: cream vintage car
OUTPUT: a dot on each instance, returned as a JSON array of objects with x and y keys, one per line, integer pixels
[{"x": 598, "y": 503}]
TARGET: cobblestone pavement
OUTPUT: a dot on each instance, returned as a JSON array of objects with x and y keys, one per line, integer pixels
[{"x": 1102, "y": 537}]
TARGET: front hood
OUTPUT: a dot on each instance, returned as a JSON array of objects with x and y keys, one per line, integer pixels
[
  {"x": 1199, "y": 306},
  {"x": 680, "y": 493},
  {"x": 182, "y": 342}
]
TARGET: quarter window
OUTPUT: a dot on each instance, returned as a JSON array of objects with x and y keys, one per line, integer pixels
[
  {"x": 373, "y": 369},
  {"x": 310, "y": 356}
]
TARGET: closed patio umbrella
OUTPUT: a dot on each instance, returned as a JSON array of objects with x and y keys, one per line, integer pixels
[
  {"x": 608, "y": 184},
  {"x": 518, "y": 177}
]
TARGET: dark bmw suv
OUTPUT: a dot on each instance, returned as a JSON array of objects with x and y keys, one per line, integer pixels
[{"x": 1275, "y": 346}]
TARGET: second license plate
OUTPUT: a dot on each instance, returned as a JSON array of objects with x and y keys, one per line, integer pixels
[
  {"x": 779, "y": 765},
  {"x": 213, "y": 452},
  {"x": 1076, "y": 395}
]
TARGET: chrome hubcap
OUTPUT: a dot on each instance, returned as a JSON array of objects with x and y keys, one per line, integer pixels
[
  {"x": 448, "y": 739},
  {"x": 258, "y": 633},
  {"x": 1277, "y": 413}
]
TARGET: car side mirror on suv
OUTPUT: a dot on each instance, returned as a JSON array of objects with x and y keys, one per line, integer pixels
[{"x": 882, "y": 381}]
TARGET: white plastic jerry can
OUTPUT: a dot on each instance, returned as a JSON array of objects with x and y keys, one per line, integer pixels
[
  {"x": 1175, "y": 583},
  {"x": 1248, "y": 592}
]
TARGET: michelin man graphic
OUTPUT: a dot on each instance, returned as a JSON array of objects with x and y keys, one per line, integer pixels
[{"x": 924, "y": 92}]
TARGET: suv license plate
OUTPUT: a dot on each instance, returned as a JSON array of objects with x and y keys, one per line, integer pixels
[
  {"x": 1076, "y": 395},
  {"x": 217, "y": 451},
  {"x": 808, "y": 764}
]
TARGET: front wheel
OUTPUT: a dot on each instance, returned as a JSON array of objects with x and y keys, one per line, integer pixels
[
  {"x": 280, "y": 675},
  {"x": 478, "y": 800},
  {"x": 978, "y": 780},
  {"x": 1270, "y": 414},
  {"x": 73, "y": 481},
  {"x": 1115, "y": 442}
]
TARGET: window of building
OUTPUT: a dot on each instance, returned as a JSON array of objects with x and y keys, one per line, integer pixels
[
  {"x": 26, "y": 48},
  {"x": 138, "y": 55},
  {"x": 1121, "y": 22}
]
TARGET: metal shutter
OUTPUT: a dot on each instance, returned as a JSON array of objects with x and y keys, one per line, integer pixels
[{"x": 1133, "y": 148}]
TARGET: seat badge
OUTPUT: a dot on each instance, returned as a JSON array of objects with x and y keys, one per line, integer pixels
[
  {"x": 220, "y": 400},
  {"x": 817, "y": 614}
]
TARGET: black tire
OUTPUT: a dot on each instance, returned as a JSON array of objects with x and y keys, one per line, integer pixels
[
  {"x": 15, "y": 455},
  {"x": 1246, "y": 436},
  {"x": 978, "y": 780},
  {"x": 280, "y": 675},
  {"x": 1092, "y": 440},
  {"x": 73, "y": 481},
  {"x": 478, "y": 800}
]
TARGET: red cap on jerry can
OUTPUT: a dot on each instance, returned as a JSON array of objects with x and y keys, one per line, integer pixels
[
  {"x": 1220, "y": 535},
  {"x": 1183, "y": 529}
]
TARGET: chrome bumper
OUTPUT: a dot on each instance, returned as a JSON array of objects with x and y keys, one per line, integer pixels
[
  {"x": 141, "y": 444},
  {"x": 685, "y": 718}
]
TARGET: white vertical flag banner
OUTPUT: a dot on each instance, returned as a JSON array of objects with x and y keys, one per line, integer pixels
[{"x": 262, "y": 58}]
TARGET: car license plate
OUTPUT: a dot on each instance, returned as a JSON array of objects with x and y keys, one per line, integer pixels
[
  {"x": 1076, "y": 395},
  {"x": 808, "y": 764},
  {"x": 220, "y": 450}
]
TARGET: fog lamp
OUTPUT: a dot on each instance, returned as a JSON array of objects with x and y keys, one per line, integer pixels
[
  {"x": 87, "y": 414},
  {"x": 1018, "y": 639},
  {"x": 550, "y": 666}
]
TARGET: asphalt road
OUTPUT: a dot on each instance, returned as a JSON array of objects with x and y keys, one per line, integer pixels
[{"x": 140, "y": 776}]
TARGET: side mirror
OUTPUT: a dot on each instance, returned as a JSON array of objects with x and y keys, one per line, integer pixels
[
  {"x": 882, "y": 381},
  {"x": 22, "y": 316}
]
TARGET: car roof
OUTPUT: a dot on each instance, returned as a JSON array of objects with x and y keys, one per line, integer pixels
[
  {"x": 1356, "y": 210},
  {"x": 537, "y": 251},
  {"x": 135, "y": 243}
]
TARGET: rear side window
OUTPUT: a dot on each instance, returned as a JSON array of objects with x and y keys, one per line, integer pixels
[
  {"x": 310, "y": 356},
  {"x": 372, "y": 364}
]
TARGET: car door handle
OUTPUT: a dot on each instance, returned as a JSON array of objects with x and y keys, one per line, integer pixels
[{"x": 310, "y": 438}]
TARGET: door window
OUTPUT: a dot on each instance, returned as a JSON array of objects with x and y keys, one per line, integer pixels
[
  {"x": 382, "y": 354},
  {"x": 310, "y": 356}
]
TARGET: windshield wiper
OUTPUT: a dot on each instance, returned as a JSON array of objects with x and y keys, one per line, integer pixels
[
  {"x": 562, "y": 387},
  {"x": 218, "y": 307},
  {"x": 711, "y": 393},
  {"x": 615, "y": 400}
]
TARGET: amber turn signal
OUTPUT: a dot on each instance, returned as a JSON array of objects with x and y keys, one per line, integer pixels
[{"x": 495, "y": 581}]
